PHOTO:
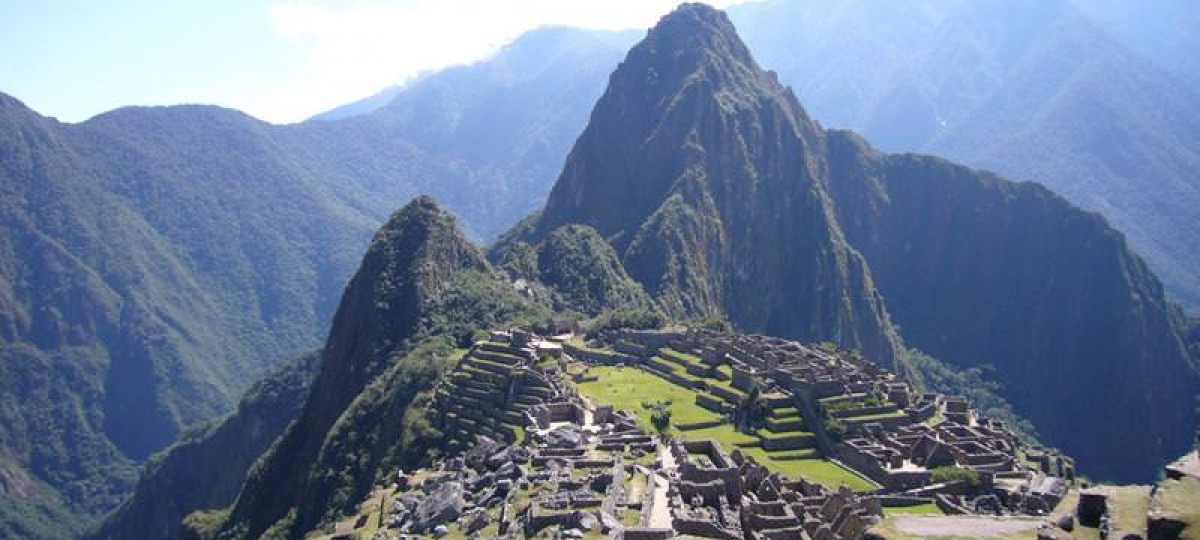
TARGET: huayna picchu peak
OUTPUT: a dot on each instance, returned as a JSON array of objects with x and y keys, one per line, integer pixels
[
  {"x": 723, "y": 320},
  {"x": 704, "y": 174},
  {"x": 723, "y": 198}
]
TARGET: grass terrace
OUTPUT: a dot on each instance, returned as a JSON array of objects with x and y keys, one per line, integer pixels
[
  {"x": 626, "y": 388},
  {"x": 927, "y": 509}
]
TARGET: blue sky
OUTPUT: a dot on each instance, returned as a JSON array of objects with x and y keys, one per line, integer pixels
[{"x": 279, "y": 60}]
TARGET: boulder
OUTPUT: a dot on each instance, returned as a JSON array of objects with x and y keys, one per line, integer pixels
[
  {"x": 441, "y": 506},
  {"x": 609, "y": 523},
  {"x": 440, "y": 531},
  {"x": 1067, "y": 523},
  {"x": 588, "y": 522},
  {"x": 474, "y": 520}
]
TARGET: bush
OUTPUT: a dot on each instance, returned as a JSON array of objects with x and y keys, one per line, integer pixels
[{"x": 956, "y": 474}]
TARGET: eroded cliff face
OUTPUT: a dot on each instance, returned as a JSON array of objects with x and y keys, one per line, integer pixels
[
  {"x": 977, "y": 270},
  {"x": 707, "y": 177}
]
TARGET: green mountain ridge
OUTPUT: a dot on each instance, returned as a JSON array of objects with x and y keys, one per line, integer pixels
[
  {"x": 157, "y": 260},
  {"x": 419, "y": 279},
  {"x": 977, "y": 270}
]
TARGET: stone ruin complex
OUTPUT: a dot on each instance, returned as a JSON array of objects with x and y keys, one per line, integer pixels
[{"x": 534, "y": 458}]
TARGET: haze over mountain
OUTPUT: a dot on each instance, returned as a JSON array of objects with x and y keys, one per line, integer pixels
[
  {"x": 158, "y": 260},
  {"x": 1034, "y": 90}
]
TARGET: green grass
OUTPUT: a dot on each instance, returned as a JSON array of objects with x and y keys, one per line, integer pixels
[
  {"x": 826, "y": 473},
  {"x": 724, "y": 434},
  {"x": 880, "y": 416},
  {"x": 627, "y": 388},
  {"x": 927, "y": 509},
  {"x": 683, "y": 357}
]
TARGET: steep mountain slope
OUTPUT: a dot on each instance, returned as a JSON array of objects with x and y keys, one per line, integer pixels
[
  {"x": 419, "y": 278},
  {"x": 981, "y": 271},
  {"x": 207, "y": 466},
  {"x": 722, "y": 197},
  {"x": 154, "y": 262},
  {"x": 699, "y": 169},
  {"x": 1031, "y": 89}
]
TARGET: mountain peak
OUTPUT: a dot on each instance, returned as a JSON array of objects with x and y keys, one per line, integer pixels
[{"x": 690, "y": 156}]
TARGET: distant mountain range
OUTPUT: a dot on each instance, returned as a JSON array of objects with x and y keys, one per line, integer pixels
[{"x": 155, "y": 261}]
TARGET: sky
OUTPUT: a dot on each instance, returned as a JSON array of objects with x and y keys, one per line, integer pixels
[{"x": 281, "y": 61}]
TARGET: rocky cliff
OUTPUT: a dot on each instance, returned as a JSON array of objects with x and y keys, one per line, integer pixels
[{"x": 981, "y": 271}]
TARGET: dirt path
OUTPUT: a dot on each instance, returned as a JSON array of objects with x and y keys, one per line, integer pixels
[
  {"x": 660, "y": 512},
  {"x": 973, "y": 526}
]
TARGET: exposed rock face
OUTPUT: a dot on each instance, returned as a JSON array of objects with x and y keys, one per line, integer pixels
[
  {"x": 707, "y": 178},
  {"x": 206, "y": 468},
  {"x": 978, "y": 270}
]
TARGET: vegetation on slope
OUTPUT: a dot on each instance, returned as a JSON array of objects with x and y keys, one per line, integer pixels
[
  {"x": 420, "y": 279},
  {"x": 205, "y": 468}
]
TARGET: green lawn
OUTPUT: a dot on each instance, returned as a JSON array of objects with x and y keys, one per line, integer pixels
[
  {"x": 826, "y": 473},
  {"x": 927, "y": 509},
  {"x": 626, "y": 388},
  {"x": 725, "y": 434}
]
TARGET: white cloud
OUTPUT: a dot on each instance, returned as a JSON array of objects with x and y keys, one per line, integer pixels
[{"x": 356, "y": 48}]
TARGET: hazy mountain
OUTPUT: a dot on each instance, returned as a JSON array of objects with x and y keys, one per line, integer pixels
[
  {"x": 1164, "y": 30},
  {"x": 155, "y": 261},
  {"x": 1034, "y": 90},
  {"x": 722, "y": 197},
  {"x": 363, "y": 106}
]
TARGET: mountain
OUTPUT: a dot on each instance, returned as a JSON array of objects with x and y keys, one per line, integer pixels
[
  {"x": 155, "y": 261},
  {"x": 419, "y": 280},
  {"x": 510, "y": 119},
  {"x": 206, "y": 467},
  {"x": 696, "y": 163},
  {"x": 1034, "y": 90},
  {"x": 721, "y": 196},
  {"x": 1166, "y": 34},
  {"x": 580, "y": 270},
  {"x": 979, "y": 271},
  {"x": 140, "y": 285},
  {"x": 363, "y": 106}
]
